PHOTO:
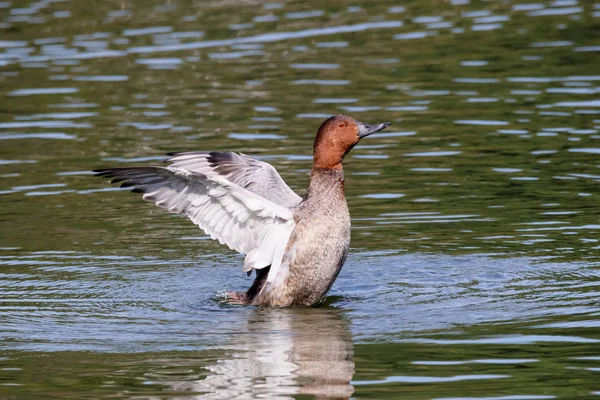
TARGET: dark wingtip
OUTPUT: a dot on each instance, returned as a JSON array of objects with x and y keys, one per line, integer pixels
[
  {"x": 103, "y": 173},
  {"x": 219, "y": 157},
  {"x": 118, "y": 179},
  {"x": 108, "y": 173}
]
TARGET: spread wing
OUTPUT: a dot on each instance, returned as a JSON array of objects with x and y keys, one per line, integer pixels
[
  {"x": 256, "y": 176},
  {"x": 244, "y": 221}
]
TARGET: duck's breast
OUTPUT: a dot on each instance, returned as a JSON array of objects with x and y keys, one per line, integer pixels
[{"x": 317, "y": 250}]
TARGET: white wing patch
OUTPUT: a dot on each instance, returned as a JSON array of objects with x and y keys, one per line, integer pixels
[{"x": 280, "y": 247}]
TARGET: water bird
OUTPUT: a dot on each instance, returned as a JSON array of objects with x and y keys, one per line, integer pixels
[{"x": 296, "y": 245}]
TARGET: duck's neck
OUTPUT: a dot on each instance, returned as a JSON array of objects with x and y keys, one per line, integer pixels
[{"x": 327, "y": 183}]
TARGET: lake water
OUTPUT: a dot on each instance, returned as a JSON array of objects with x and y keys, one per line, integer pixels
[{"x": 475, "y": 261}]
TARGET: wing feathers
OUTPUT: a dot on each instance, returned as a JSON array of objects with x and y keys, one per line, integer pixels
[
  {"x": 249, "y": 173},
  {"x": 234, "y": 216}
]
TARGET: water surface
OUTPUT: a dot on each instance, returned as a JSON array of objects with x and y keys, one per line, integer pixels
[{"x": 475, "y": 256}]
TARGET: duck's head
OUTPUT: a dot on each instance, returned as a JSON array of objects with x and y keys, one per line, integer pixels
[{"x": 337, "y": 136}]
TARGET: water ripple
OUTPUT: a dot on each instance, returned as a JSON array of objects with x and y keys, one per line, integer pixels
[{"x": 270, "y": 37}]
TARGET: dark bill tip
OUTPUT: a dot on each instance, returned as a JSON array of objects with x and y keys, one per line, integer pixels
[{"x": 366, "y": 130}]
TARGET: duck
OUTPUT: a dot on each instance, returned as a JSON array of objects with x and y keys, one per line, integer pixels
[{"x": 295, "y": 245}]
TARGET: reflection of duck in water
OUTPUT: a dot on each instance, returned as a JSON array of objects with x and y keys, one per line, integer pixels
[
  {"x": 283, "y": 353},
  {"x": 296, "y": 245}
]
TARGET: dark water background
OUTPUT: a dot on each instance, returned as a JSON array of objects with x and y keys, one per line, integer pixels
[{"x": 474, "y": 269}]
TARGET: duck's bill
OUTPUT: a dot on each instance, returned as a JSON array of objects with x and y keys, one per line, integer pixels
[{"x": 366, "y": 130}]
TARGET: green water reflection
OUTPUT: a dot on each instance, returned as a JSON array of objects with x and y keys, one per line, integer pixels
[{"x": 493, "y": 151}]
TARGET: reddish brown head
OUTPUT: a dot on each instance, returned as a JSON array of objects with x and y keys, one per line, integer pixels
[{"x": 337, "y": 136}]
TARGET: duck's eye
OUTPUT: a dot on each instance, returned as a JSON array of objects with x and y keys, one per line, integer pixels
[{"x": 342, "y": 124}]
